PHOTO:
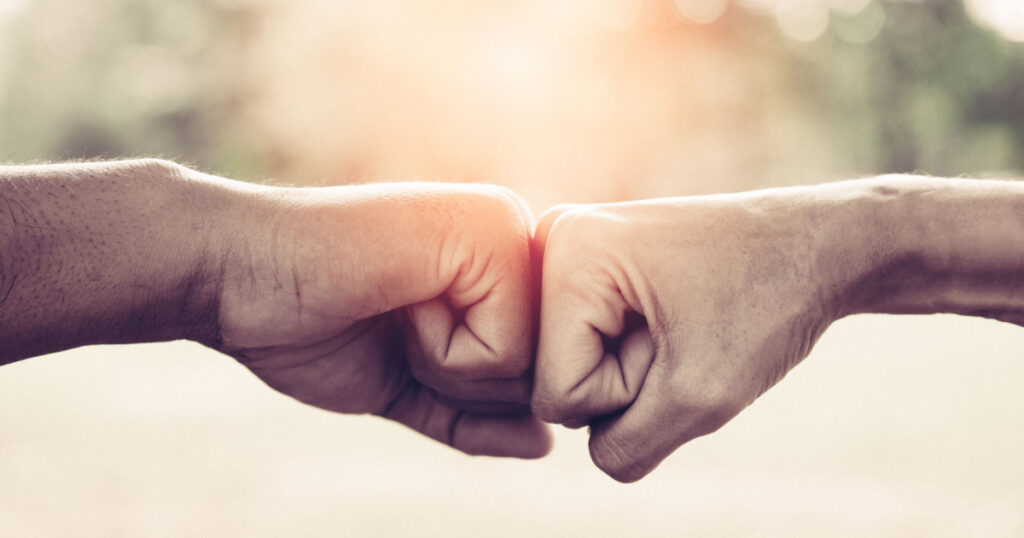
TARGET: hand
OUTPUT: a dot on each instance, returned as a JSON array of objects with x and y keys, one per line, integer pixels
[
  {"x": 661, "y": 320},
  {"x": 409, "y": 301}
]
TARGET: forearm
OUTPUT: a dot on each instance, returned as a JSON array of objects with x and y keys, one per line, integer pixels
[
  {"x": 905, "y": 244},
  {"x": 107, "y": 253}
]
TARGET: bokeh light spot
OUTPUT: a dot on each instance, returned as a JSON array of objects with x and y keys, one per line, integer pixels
[
  {"x": 802, "y": 21},
  {"x": 1004, "y": 16},
  {"x": 702, "y": 11}
]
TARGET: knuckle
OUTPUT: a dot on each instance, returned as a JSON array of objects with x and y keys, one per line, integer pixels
[
  {"x": 518, "y": 203},
  {"x": 548, "y": 407},
  {"x": 501, "y": 191},
  {"x": 568, "y": 220},
  {"x": 554, "y": 212},
  {"x": 507, "y": 204},
  {"x": 563, "y": 235},
  {"x": 581, "y": 229},
  {"x": 492, "y": 207}
]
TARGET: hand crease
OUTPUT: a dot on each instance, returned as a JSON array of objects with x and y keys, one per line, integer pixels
[
  {"x": 409, "y": 385},
  {"x": 367, "y": 327},
  {"x": 10, "y": 288}
]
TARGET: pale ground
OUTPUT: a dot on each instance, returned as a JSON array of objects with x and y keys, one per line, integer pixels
[{"x": 893, "y": 427}]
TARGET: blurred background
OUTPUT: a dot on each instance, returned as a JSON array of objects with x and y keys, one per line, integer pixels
[{"x": 893, "y": 427}]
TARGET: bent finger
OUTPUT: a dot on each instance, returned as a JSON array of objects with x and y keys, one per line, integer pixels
[
  {"x": 484, "y": 325},
  {"x": 544, "y": 225},
  {"x": 577, "y": 375},
  {"x": 516, "y": 435},
  {"x": 428, "y": 337},
  {"x": 632, "y": 444}
]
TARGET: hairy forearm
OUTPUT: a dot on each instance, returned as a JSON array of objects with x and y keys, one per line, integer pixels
[
  {"x": 909, "y": 244},
  {"x": 107, "y": 253}
]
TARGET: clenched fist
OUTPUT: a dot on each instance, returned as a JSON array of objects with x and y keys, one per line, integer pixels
[
  {"x": 661, "y": 320},
  {"x": 410, "y": 301}
]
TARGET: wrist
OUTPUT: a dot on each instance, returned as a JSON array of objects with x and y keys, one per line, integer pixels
[
  {"x": 212, "y": 230},
  {"x": 164, "y": 246},
  {"x": 918, "y": 245}
]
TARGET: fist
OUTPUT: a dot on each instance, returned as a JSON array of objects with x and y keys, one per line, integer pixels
[
  {"x": 410, "y": 301},
  {"x": 661, "y": 320}
]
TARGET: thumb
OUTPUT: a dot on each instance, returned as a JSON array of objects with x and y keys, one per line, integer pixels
[{"x": 540, "y": 233}]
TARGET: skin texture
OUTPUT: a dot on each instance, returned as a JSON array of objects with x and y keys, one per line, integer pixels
[
  {"x": 105, "y": 253},
  {"x": 663, "y": 319},
  {"x": 413, "y": 302},
  {"x": 410, "y": 301}
]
